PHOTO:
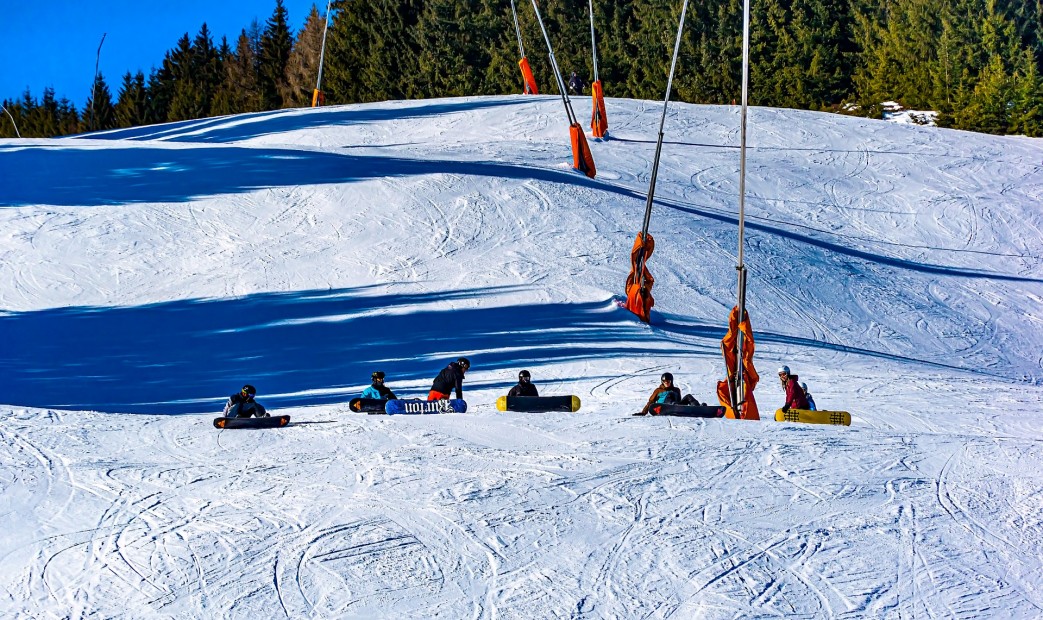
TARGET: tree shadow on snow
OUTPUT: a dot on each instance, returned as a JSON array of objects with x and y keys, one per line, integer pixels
[
  {"x": 314, "y": 347},
  {"x": 245, "y": 126}
]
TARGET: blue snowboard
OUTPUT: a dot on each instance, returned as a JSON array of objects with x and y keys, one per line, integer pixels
[{"x": 415, "y": 406}]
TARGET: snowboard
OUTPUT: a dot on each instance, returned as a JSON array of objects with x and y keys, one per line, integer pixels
[
  {"x": 689, "y": 411},
  {"x": 367, "y": 405},
  {"x": 275, "y": 421},
  {"x": 538, "y": 403},
  {"x": 415, "y": 406},
  {"x": 839, "y": 418}
]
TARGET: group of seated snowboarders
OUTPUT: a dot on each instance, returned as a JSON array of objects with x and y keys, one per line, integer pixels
[{"x": 451, "y": 378}]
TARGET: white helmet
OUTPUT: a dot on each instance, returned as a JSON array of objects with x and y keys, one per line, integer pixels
[{"x": 784, "y": 370}]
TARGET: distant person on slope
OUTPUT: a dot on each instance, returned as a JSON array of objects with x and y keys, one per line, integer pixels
[
  {"x": 575, "y": 84},
  {"x": 378, "y": 390},
  {"x": 795, "y": 398},
  {"x": 807, "y": 394},
  {"x": 243, "y": 405},
  {"x": 451, "y": 377},
  {"x": 524, "y": 387}
]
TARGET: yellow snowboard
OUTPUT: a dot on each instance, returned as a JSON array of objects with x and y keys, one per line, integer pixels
[
  {"x": 538, "y": 403},
  {"x": 839, "y": 418}
]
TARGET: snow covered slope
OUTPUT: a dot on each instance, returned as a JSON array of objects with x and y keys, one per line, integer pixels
[{"x": 145, "y": 274}]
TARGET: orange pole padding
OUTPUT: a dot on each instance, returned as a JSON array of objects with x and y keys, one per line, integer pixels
[
  {"x": 530, "y": 82},
  {"x": 582, "y": 158},
  {"x": 598, "y": 118},
  {"x": 729, "y": 348},
  {"x": 639, "y": 298},
  {"x": 318, "y": 98}
]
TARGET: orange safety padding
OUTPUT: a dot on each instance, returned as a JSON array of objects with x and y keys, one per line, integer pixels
[
  {"x": 724, "y": 396},
  {"x": 729, "y": 346},
  {"x": 530, "y": 82},
  {"x": 598, "y": 118},
  {"x": 639, "y": 300},
  {"x": 318, "y": 98},
  {"x": 582, "y": 158}
]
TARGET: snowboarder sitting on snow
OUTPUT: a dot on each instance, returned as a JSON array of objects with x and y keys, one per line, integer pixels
[
  {"x": 575, "y": 84},
  {"x": 452, "y": 376},
  {"x": 243, "y": 405},
  {"x": 666, "y": 394},
  {"x": 795, "y": 398},
  {"x": 807, "y": 394},
  {"x": 524, "y": 387},
  {"x": 378, "y": 390}
]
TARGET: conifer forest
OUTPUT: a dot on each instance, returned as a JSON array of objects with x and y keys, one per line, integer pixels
[{"x": 977, "y": 63}]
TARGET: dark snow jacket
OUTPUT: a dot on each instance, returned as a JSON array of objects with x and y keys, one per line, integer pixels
[
  {"x": 451, "y": 377},
  {"x": 523, "y": 389},
  {"x": 239, "y": 406}
]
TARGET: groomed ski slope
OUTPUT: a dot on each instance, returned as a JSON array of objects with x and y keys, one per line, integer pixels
[{"x": 146, "y": 274}]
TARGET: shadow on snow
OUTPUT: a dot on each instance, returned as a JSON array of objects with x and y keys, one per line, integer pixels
[
  {"x": 187, "y": 356},
  {"x": 66, "y": 176}
]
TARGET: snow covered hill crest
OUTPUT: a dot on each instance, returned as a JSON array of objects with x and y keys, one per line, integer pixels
[{"x": 147, "y": 273}]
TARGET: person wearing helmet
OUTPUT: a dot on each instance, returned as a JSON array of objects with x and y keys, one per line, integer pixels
[
  {"x": 451, "y": 377},
  {"x": 242, "y": 404},
  {"x": 524, "y": 387},
  {"x": 378, "y": 390},
  {"x": 807, "y": 394},
  {"x": 795, "y": 398},
  {"x": 666, "y": 392}
]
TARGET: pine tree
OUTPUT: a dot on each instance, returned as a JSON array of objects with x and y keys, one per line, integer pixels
[
  {"x": 207, "y": 70},
  {"x": 276, "y": 43},
  {"x": 132, "y": 103},
  {"x": 99, "y": 115},
  {"x": 302, "y": 67},
  {"x": 239, "y": 91}
]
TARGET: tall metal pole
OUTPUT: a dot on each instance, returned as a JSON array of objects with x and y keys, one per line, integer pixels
[
  {"x": 741, "y": 267},
  {"x": 94, "y": 86},
  {"x": 555, "y": 69},
  {"x": 659, "y": 142},
  {"x": 322, "y": 56},
  {"x": 12, "y": 120},
  {"x": 517, "y": 29},
  {"x": 593, "y": 43}
]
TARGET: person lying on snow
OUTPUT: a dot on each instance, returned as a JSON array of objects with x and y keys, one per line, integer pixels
[
  {"x": 795, "y": 398},
  {"x": 666, "y": 394},
  {"x": 452, "y": 376},
  {"x": 378, "y": 390},
  {"x": 524, "y": 387},
  {"x": 243, "y": 405}
]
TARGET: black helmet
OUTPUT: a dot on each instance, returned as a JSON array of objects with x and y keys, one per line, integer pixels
[
  {"x": 524, "y": 375},
  {"x": 463, "y": 361},
  {"x": 249, "y": 389},
  {"x": 667, "y": 377},
  {"x": 378, "y": 375}
]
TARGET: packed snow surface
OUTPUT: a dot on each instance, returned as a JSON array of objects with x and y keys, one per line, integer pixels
[{"x": 146, "y": 274}]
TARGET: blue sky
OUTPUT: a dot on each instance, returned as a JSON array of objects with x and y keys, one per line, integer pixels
[{"x": 55, "y": 43}]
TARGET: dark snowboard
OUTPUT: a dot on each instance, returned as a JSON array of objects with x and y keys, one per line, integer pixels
[
  {"x": 367, "y": 405},
  {"x": 275, "y": 421},
  {"x": 689, "y": 411},
  {"x": 538, "y": 403}
]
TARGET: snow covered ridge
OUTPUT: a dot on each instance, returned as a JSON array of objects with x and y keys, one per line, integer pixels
[{"x": 146, "y": 274}]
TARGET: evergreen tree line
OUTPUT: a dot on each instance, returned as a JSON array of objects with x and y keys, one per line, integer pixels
[{"x": 978, "y": 63}]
